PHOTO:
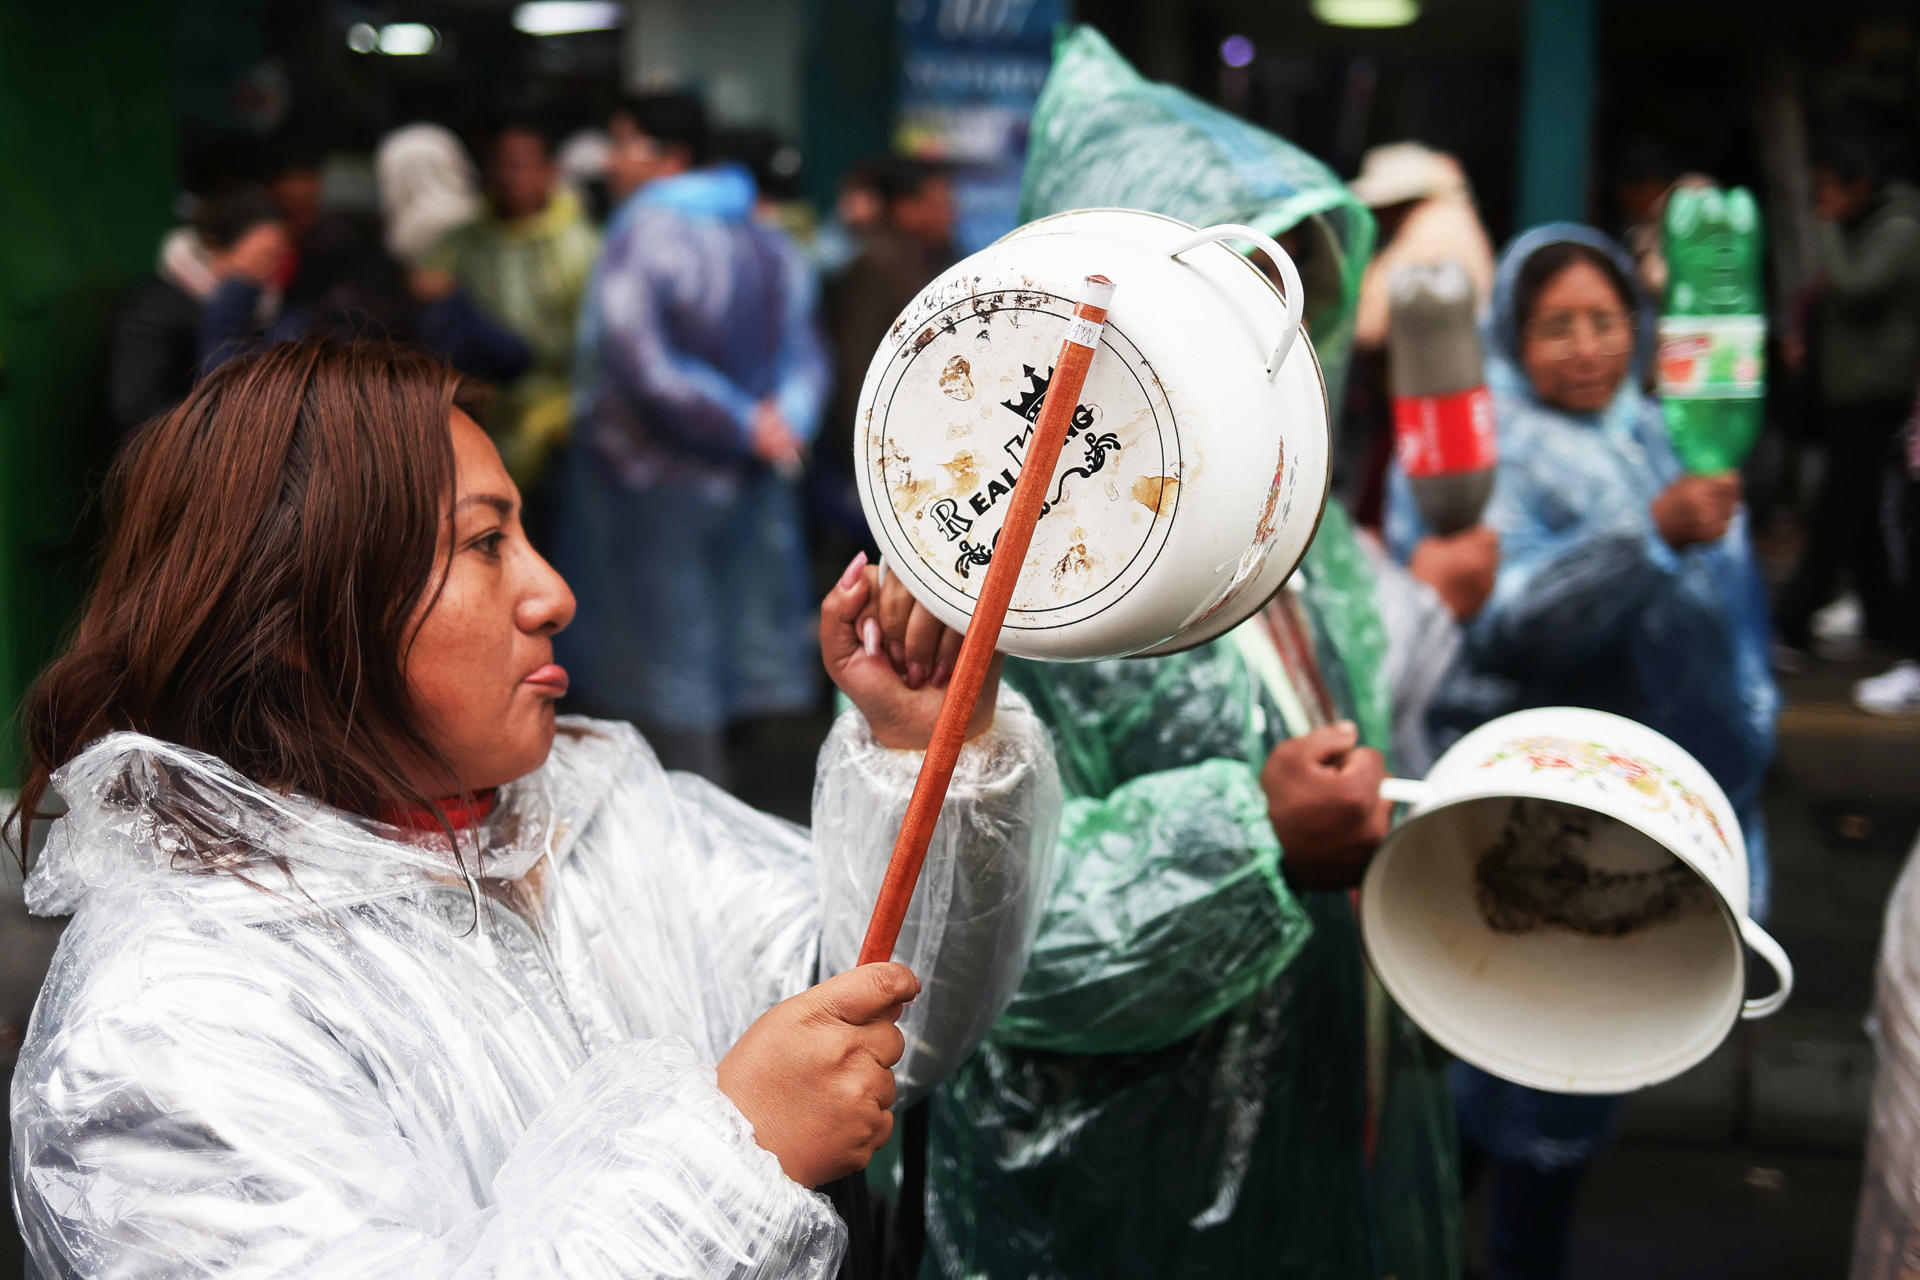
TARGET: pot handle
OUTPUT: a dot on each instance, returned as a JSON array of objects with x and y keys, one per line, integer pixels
[
  {"x": 1776, "y": 957},
  {"x": 1292, "y": 293},
  {"x": 1403, "y": 790}
]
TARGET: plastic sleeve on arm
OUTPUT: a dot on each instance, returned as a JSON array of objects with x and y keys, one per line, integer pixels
[
  {"x": 977, "y": 907},
  {"x": 681, "y": 395},
  {"x": 643, "y": 1167},
  {"x": 802, "y": 368},
  {"x": 751, "y": 881},
  {"x": 1169, "y": 909},
  {"x": 1660, "y": 554},
  {"x": 1422, "y": 641},
  {"x": 1562, "y": 597},
  {"x": 205, "y": 1125}
]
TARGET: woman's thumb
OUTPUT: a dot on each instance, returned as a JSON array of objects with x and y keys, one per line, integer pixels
[{"x": 862, "y": 994}]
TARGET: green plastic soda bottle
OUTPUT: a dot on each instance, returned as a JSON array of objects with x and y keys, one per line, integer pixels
[{"x": 1713, "y": 329}]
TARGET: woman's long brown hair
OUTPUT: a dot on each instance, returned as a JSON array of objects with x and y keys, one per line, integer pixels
[{"x": 268, "y": 544}]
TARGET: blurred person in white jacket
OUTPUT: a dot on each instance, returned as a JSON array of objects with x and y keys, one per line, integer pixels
[
  {"x": 377, "y": 968},
  {"x": 1425, "y": 210},
  {"x": 427, "y": 188}
]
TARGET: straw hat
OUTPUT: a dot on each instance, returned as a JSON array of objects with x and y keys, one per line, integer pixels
[{"x": 1402, "y": 171}]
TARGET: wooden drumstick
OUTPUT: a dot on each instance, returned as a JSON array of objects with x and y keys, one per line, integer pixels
[{"x": 989, "y": 614}]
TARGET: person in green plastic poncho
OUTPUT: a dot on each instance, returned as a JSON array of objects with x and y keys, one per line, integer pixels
[
  {"x": 526, "y": 260},
  {"x": 1194, "y": 1078}
]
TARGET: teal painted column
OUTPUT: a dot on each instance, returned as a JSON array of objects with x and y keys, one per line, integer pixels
[
  {"x": 852, "y": 69},
  {"x": 1556, "y": 111}
]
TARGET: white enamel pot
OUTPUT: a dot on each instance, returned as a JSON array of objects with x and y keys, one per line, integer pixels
[
  {"x": 1196, "y": 468},
  {"x": 1566, "y": 905}
]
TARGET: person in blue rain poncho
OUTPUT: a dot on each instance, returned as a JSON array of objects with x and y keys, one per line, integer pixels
[
  {"x": 1624, "y": 585},
  {"x": 1194, "y": 1079},
  {"x": 700, "y": 380}
]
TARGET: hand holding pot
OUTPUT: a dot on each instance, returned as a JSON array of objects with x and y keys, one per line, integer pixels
[
  {"x": 1323, "y": 798},
  {"x": 813, "y": 1074},
  {"x": 1461, "y": 568},
  {"x": 1696, "y": 509},
  {"x": 893, "y": 658}
]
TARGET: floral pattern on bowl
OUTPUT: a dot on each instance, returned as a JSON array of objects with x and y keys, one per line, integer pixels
[{"x": 1593, "y": 759}]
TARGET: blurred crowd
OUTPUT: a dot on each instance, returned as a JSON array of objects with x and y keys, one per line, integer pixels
[
  {"x": 675, "y": 342},
  {"x": 679, "y": 347},
  {"x": 660, "y": 315}
]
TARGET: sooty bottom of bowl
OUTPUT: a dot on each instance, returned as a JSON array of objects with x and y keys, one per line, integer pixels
[{"x": 1557, "y": 866}]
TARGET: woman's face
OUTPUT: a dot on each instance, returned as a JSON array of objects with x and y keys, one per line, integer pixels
[
  {"x": 481, "y": 670},
  {"x": 1577, "y": 343}
]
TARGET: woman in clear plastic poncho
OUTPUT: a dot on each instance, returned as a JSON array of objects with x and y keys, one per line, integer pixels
[
  {"x": 310, "y": 1021},
  {"x": 1623, "y": 585}
]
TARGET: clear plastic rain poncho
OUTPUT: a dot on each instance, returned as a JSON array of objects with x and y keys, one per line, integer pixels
[
  {"x": 329, "y": 1058},
  {"x": 1591, "y": 607},
  {"x": 1181, "y": 1086},
  {"x": 1886, "y": 1243}
]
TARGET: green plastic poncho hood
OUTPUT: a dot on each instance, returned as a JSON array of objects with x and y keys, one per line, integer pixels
[{"x": 1105, "y": 136}]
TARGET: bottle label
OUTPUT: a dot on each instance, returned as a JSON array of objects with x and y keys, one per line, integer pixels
[
  {"x": 1446, "y": 434},
  {"x": 1713, "y": 357}
]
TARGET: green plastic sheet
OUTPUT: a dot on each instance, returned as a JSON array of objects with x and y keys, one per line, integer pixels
[
  {"x": 1103, "y": 136},
  {"x": 1179, "y": 1089}
]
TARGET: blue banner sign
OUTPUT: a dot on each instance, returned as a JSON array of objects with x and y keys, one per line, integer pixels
[{"x": 971, "y": 71}]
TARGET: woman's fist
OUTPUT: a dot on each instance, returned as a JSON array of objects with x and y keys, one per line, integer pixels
[
  {"x": 1696, "y": 509},
  {"x": 1323, "y": 798},
  {"x": 1461, "y": 569},
  {"x": 814, "y": 1074}
]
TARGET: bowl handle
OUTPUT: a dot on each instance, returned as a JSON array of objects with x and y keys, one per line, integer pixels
[
  {"x": 1403, "y": 790},
  {"x": 1292, "y": 293},
  {"x": 1776, "y": 956}
]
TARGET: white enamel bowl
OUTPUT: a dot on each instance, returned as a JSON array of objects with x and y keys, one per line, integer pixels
[
  {"x": 1533, "y": 1000},
  {"x": 1197, "y": 466}
]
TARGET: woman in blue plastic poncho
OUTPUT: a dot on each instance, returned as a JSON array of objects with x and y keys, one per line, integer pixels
[{"x": 1624, "y": 585}]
